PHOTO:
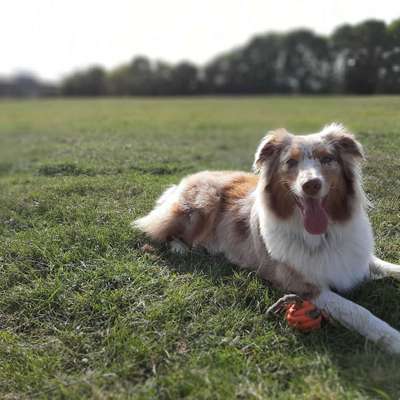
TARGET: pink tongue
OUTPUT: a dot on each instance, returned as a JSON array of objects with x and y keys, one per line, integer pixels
[{"x": 315, "y": 218}]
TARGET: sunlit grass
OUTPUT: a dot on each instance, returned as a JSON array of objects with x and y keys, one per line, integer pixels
[{"x": 85, "y": 313}]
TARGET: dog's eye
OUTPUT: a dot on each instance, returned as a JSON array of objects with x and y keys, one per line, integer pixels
[
  {"x": 292, "y": 163},
  {"x": 327, "y": 159}
]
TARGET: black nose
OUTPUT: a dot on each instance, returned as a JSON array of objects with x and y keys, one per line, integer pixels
[{"x": 312, "y": 187}]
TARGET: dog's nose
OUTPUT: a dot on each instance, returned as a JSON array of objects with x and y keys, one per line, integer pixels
[{"x": 312, "y": 187}]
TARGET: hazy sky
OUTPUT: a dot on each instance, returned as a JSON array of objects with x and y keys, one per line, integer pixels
[{"x": 53, "y": 37}]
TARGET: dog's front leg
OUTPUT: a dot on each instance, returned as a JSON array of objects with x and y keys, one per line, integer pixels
[
  {"x": 359, "y": 319},
  {"x": 381, "y": 269}
]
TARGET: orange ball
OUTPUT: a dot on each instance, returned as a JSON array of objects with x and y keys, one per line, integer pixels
[{"x": 303, "y": 316}]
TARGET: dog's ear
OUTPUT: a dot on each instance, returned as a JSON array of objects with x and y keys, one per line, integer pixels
[
  {"x": 269, "y": 149},
  {"x": 343, "y": 141}
]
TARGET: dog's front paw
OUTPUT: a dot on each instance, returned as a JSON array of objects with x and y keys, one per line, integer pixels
[{"x": 178, "y": 247}]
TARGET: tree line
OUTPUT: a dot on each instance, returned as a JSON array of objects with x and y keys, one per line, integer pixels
[{"x": 355, "y": 59}]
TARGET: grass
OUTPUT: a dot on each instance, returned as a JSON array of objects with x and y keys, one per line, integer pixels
[{"x": 84, "y": 313}]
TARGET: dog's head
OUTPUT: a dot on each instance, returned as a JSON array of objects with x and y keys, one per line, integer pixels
[{"x": 315, "y": 174}]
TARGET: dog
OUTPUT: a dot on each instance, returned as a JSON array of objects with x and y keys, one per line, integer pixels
[{"x": 300, "y": 221}]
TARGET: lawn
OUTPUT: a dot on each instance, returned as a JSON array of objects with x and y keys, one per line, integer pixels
[{"x": 85, "y": 313}]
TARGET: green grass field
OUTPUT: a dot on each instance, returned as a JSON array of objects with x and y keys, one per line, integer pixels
[{"x": 84, "y": 313}]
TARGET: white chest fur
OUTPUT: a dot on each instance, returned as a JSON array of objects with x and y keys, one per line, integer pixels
[{"x": 339, "y": 258}]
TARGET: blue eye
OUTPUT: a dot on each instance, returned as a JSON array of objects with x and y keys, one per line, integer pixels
[
  {"x": 327, "y": 159},
  {"x": 292, "y": 163}
]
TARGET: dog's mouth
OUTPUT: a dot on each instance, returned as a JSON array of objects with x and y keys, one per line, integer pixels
[{"x": 315, "y": 218}]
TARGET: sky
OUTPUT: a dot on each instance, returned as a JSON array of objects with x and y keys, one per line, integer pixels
[{"x": 51, "y": 38}]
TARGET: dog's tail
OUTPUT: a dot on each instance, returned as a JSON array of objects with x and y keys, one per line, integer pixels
[{"x": 160, "y": 223}]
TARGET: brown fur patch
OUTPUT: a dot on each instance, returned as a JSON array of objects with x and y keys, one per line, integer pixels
[
  {"x": 320, "y": 152},
  {"x": 296, "y": 153},
  {"x": 237, "y": 189},
  {"x": 279, "y": 197},
  {"x": 177, "y": 209},
  {"x": 340, "y": 198},
  {"x": 346, "y": 143},
  {"x": 232, "y": 193},
  {"x": 272, "y": 144}
]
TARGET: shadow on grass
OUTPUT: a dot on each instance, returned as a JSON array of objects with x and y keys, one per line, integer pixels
[
  {"x": 199, "y": 261},
  {"x": 358, "y": 362},
  {"x": 65, "y": 169}
]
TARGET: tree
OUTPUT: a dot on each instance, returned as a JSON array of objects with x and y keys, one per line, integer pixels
[
  {"x": 298, "y": 62},
  {"x": 184, "y": 79},
  {"x": 220, "y": 74},
  {"x": 90, "y": 82},
  {"x": 304, "y": 63},
  {"x": 361, "y": 49},
  {"x": 362, "y": 58},
  {"x": 162, "y": 79},
  {"x": 119, "y": 81},
  {"x": 389, "y": 69}
]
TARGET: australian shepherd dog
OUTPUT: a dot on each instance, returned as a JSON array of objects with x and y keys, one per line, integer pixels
[{"x": 300, "y": 221}]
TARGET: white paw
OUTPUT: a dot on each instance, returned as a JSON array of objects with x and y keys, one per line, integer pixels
[
  {"x": 394, "y": 273},
  {"x": 178, "y": 247},
  {"x": 391, "y": 343}
]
